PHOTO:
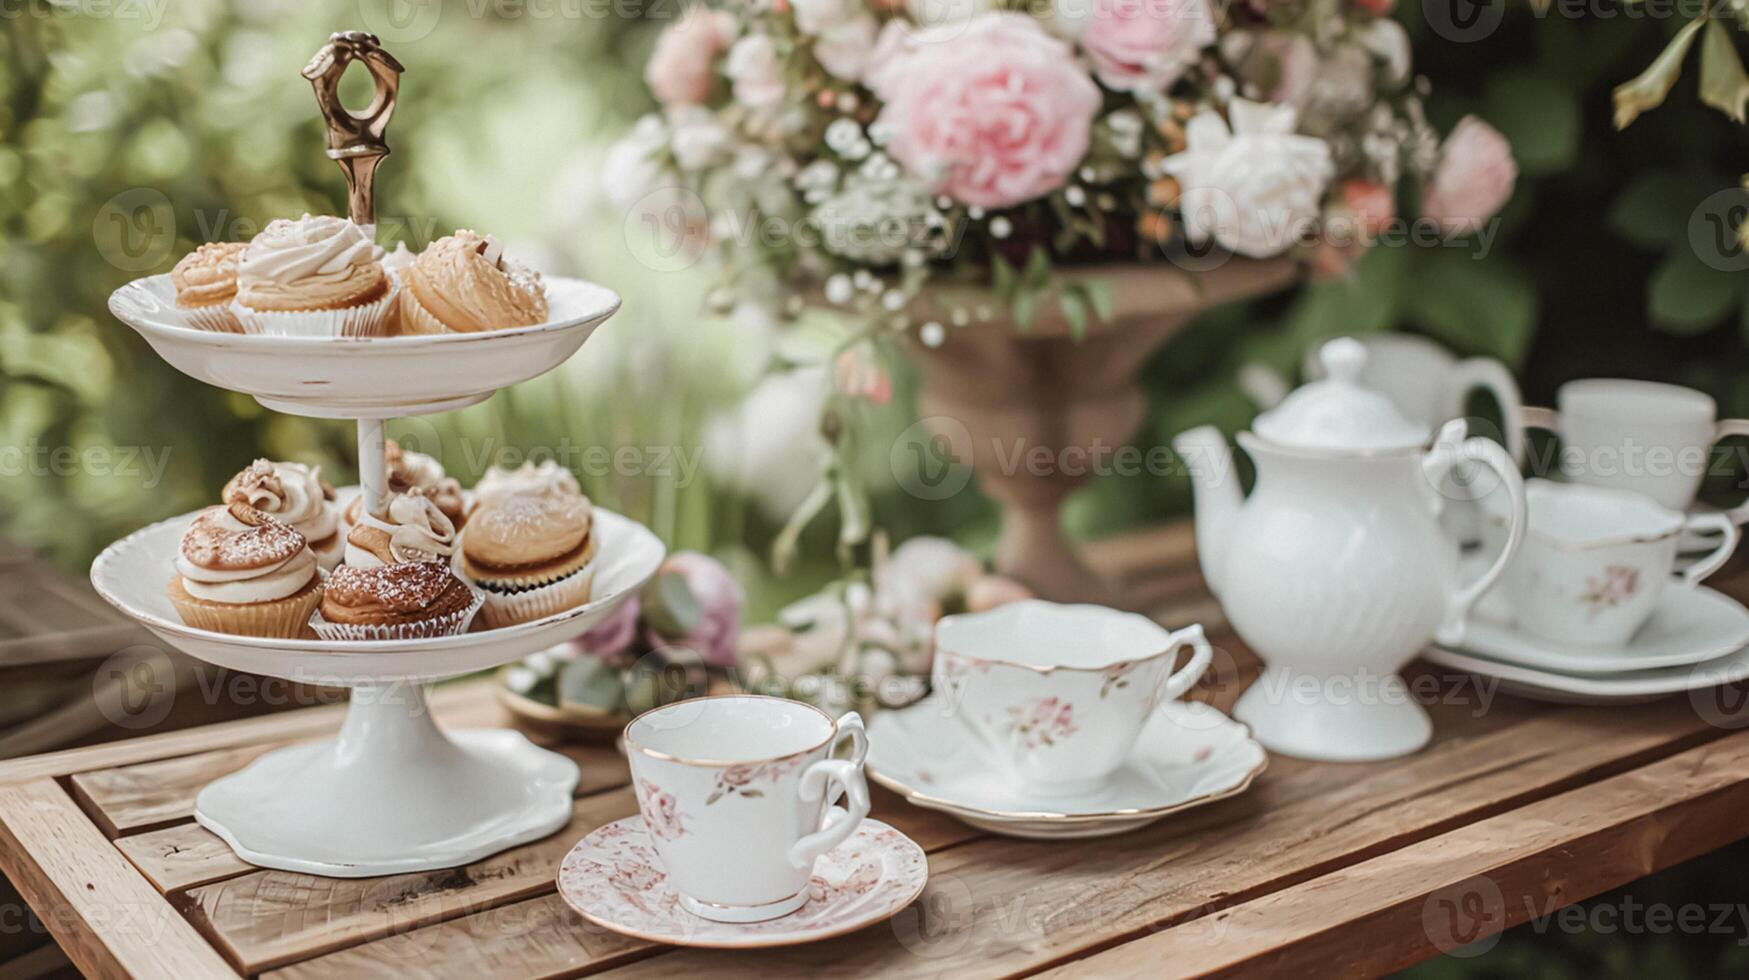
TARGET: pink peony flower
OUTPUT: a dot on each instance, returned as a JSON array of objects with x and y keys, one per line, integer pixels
[
  {"x": 720, "y": 600},
  {"x": 680, "y": 69},
  {"x": 991, "y": 112},
  {"x": 611, "y": 638},
  {"x": 1474, "y": 177},
  {"x": 1146, "y": 44},
  {"x": 756, "y": 72}
]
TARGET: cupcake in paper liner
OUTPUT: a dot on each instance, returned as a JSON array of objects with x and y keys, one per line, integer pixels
[
  {"x": 239, "y": 571},
  {"x": 315, "y": 277},
  {"x": 295, "y": 494},
  {"x": 531, "y": 554},
  {"x": 206, "y": 283},
  {"x": 464, "y": 283},
  {"x": 415, "y": 600}
]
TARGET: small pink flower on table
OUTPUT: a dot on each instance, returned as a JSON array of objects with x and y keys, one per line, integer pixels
[
  {"x": 1146, "y": 44},
  {"x": 1474, "y": 178},
  {"x": 720, "y": 600},
  {"x": 992, "y": 111},
  {"x": 680, "y": 70},
  {"x": 613, "y": 636}
]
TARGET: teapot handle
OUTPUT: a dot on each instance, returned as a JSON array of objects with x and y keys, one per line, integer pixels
[{"x": 1447, "y": 454}]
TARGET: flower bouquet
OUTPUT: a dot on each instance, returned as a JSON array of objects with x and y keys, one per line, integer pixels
[{"x": 668, "y": 643}]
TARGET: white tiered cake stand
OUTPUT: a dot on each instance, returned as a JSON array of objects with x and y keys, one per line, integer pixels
[{"x": 393, "y": 792}]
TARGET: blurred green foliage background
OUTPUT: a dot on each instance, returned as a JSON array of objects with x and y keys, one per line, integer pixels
[{"x": 131, "y": 131}]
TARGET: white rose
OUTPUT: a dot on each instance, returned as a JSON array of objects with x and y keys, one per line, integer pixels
[
  {"x": 928, "y": 567},
  {"x": 844, "y": 49},
  {"x": 630, "y": 169},
  {"x": 816, "y": 17},
  {"x": 753, "y": 67},
  {"x": 1256, "y": 187},
  {"x": 1387, "y": 39},
  {"x": 699, "y": 140}
]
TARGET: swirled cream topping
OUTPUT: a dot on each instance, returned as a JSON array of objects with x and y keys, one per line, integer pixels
[
  {"x": 310, "y": 262},
  {"x": 237, "y": 555},
  {"x": 288, "y": 492},
  {"x": 413, "y": 528},
  {"x": 546, "y": 478}
]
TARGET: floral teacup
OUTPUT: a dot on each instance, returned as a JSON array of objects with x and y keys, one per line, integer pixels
[
  {"x": 1594, "y": 562},
  {"x": 738, "y": 795},
  {"x": 1059, "y": 693}
]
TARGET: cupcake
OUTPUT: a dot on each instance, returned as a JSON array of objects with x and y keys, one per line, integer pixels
[
  {"x": 409, "y": 470},
  {"x": 240, "y": 571},
  {"x": 406, "y": 601},
  {"x": 465, "y": 284},
  {"x": 544, "y": 478},
  {"x": 315, "y": 277},
  {"x": 530, "y": 554},
  {"x": 206, "y": 282},
  {"x": 396, "y": 264},
  {"x": 412, "y": 528},
  {"x": 295, "y": 494}
]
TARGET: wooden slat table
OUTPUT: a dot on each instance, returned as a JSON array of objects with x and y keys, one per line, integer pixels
[{"x": 1339, "y": 869}]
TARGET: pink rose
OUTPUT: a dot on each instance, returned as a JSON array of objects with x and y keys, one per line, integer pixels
[
  {"x": 1352, "y": 223},
  {"x": 680, "y": 69},
  {"x": 611, "y": 638},
  {"x": 991, "y": 112},
  {"x": 1474, "y": 177},
  {"x": 719, "y": 599},
  {"x": 1146, "y": 44}
]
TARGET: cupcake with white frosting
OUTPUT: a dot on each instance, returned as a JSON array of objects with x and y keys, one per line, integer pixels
[
  {"x": 319, "y": 276},
  {"x": 546, "y": 478},
  {"x": 239, "y": 571},
  {"x": 295, "y": 494},
  {"x": 411, "y": 528}
]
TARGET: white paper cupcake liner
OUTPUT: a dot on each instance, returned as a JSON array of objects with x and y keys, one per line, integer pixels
[
  {"x": 509, "y": 609},
  {"x": 416, "y": 319},
  {"x": 369, "y": 320},
  {"x": 451, "y": 625},
  {"x": 218, "y": 319}
]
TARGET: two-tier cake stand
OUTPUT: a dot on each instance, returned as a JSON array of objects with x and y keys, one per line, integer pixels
[{"x": 392, "y": 792}]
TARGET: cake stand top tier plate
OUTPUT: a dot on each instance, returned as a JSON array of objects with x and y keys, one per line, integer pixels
[
  {"x": 365, "y": 377},
  {"x": 133, "y": 572}
]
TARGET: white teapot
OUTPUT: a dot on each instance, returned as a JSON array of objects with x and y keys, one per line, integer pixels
[{"x": 1335, "y": 569}]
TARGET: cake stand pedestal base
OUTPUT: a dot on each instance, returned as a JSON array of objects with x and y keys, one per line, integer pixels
[{"x": 391, "y": 794}]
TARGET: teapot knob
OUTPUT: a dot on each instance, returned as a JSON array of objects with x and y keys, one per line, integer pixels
[{"x": 1343, "y": 359}]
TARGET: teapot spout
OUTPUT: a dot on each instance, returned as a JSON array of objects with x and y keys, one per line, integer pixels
[{"x": 1215, "y": 488}]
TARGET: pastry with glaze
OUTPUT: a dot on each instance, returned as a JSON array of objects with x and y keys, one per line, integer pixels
[
  {"x": 240, "y": 571},
  {"x": 464, "y": 283},
  {"x": 206, "y": 283},
  {"x": 295, "y": 494},
  {"x": 404, "y": 601}
]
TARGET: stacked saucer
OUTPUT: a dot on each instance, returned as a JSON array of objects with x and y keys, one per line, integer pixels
[{"x": 1694, "y": 639}]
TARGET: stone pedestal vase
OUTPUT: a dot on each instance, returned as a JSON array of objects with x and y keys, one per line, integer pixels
[{"x": 1036, "y": 413}]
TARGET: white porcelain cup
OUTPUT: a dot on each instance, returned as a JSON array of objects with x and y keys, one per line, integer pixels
[
  {"x": 1595, "y": 560},
  {"x": 739, "y": 796},
  {"x": 1059, "y": 693},
  {"x": 1643, "y": 436}
]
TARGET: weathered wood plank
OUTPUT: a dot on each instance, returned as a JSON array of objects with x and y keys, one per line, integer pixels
[
  {"x": 148, "y": 795},
  {"x": 108, "y": 918},
  {"x": 181, "y": 857},
  {"x": 1397, "y": 909},
  {"x": 1001, "y": 907},
  {"x": 543, "y": 938}
]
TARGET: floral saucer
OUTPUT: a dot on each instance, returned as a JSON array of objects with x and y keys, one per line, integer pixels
[
  {"x": 1688, "y": 626},
  {"x": 614, "y": 879},
  {"x": 1187, "y": 755}
]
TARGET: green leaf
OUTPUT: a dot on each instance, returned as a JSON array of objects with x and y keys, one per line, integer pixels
[
  {"x": 1038, "y": 269},
  {"x": 1023, "y": 310},
  {"x": 853, "y": 513},
  {"x": 1475, "y": 306},
  {"x": 1539, "y": 115},
  {"x": 1073, "y": 303},
  {"x": 1648, "y": 89},
  {"x": 1723, "y": 84},
  {"x": 1686, "y": 296},
  {"x": 1099, "y": 294},
  {"x": 1653, "y": 211},
  {"x": 1002, "y": 278},
  {"x": 670, "y": 606},
  {"x": 783, "y": 549},
  {"x": 587, "y": 682}
]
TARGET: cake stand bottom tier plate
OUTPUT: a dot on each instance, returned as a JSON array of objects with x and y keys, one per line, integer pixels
[{"x": 450, "y": 800}]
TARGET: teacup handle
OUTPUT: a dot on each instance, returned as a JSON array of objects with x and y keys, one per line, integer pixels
[
  {"x": 1490, "y": 375},
  {"x": 1450, "y": 451},
  {"x": 1201, "y": 655},
  {"x": 1724, "y": 523},
  {"x": 837, "y": 823},
  {"x": 1733, "y": 427}
]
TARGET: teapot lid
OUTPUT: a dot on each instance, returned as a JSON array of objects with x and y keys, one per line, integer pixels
[{"x": 1339, "y": 413}]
